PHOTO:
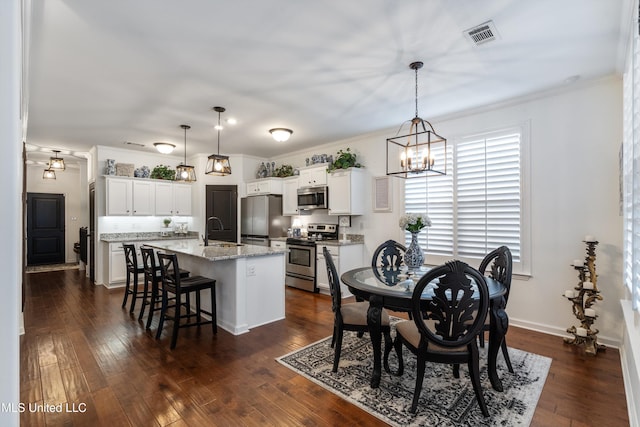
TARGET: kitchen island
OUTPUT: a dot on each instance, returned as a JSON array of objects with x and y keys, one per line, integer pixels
[{"x": 250, "y": 288}]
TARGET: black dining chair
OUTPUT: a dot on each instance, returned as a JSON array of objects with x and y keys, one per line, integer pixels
[
  {"x": 445, "y": 327},
  {"x": 500, "y": 265},
  {"x": 351, "y": 316},
  {"x": 153, "y": 284},
  {"x": 387, "y": 260},
  {"x": 133, "y": 270},
  {"x": 173, "y": 284}
]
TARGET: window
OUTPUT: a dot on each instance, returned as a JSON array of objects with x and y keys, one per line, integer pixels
[
  {"x": 479, "y": 205},
  {"x": 631, "y": 171}
]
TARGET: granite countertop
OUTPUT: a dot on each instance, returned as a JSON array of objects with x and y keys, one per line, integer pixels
[
  {"x": 145, "y": 236},
  {"x": 217, "y": 250},
  {"x": 338, "y": 243}
]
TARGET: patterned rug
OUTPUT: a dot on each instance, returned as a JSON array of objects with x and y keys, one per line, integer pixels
[
  {"x": 51, "y": 267},
  {"x": 444, "y": 401}
]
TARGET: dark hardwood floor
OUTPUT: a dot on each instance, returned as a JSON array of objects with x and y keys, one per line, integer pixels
[{"x": 82, "y": 350}]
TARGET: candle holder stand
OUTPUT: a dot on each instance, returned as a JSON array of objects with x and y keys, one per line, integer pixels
[{"x": 586, "y": 293}]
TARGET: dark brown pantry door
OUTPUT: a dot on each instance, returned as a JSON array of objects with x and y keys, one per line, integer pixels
[
  {"x": 222, "y": 201},
  {"x": 45, "y": 228}
]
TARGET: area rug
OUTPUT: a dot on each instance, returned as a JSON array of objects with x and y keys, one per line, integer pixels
[
  {"x": 444, "y": 401},
  {"x": 51, "y": 267}
]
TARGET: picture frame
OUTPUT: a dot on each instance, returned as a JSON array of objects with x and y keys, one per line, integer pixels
[{"x": 382, "y": 194}]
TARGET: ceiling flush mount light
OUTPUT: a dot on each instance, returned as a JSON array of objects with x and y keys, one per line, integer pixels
[
  {"x": 218, "y": 164},
  {"x": 55, "y": 162},
  {"x": 280, "y": 134},
  {"x": 164, "y": 147},
  {"x": 49, "y": 174},
  {"x": 184, "y": 172},
  {"x": 419, "y": 153}
]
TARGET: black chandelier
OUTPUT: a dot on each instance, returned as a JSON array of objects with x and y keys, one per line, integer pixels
[{"x": 218, "y": 164}]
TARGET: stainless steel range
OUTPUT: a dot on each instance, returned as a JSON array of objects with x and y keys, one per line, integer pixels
[{"x": 301, "y": 262}]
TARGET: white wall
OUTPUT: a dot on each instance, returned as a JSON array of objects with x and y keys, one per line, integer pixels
[
  {"x": 10, "y": 208},
  {"x": 74, "y": 187},
  {"x": 575, "y": 137}
]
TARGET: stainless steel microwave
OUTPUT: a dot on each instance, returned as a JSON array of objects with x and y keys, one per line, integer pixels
[{"x": 312, "y": 198}]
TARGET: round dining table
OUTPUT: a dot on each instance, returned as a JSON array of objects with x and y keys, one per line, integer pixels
[{"x": 391, "y": 289}]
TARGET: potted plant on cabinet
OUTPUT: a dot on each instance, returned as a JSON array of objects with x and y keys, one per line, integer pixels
[{"x": 344, "y": 160}]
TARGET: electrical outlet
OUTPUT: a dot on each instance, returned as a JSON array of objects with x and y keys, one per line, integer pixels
[{"x": 251, "y": 270}]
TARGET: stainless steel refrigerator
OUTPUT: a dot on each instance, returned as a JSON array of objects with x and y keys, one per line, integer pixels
[{"x": 262, "y": 219}]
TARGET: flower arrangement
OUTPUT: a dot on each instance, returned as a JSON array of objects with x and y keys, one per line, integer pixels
[{"x": 414, "y": 222}]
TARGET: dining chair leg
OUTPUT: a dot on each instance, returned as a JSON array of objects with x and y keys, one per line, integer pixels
[
  {"x": 198, "y": 317},
  {"x": 127, "y": 290},
  {"x": 153, "y": 304},
  {"x": 456, "y": 370},
  {"x": 214, "y": 311},
  {"x": 397, "y": 344},
  {"x": 333, "y": 337},
  {"x": 163, "y": 311},
  {"x": 176, "y": 322},
  {"x": 474, "y": 373},
  {"x": 145, "y": 295},
  {"x": 338, "y": 350},
  {"x": 505, "y": 353},
  {"x": 420, "y": 365},
  {"x": 134, "y": 294}
]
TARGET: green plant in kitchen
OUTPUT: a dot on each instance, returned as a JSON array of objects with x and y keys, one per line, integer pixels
[
  {"x": 345, "y": 159},
  {"x": 163, "y": 172},
  {"x": 166, "y": 222},
  {"x": 283, "y": 171}
]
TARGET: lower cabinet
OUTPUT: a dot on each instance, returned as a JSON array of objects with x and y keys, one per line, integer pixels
[
  {"x": 345, "y": 258},
  {"x": 278, "y": 244}
]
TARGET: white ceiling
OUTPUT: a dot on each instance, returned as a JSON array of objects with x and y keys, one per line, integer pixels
[{"x": 106, "y": 72}]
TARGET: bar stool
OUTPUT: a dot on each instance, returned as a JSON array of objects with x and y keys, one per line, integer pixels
[
  {"x": 173, "y": 283},
  {"x": 153, "y": 278},
  {"x": 131, "y": 287}
]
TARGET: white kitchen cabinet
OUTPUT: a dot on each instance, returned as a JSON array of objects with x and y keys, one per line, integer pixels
[
  {"x": 182, "y": 199},
  {"x": 164, "y": 198},
  {"x": 313, "y": 176},
  {"x": 119, "y": 196},
  {"x": 345, "y": 258},
  {"x": 347, "y": 192},
  {"x": 117, "y": 271},
  {"x": 143, "y": 195},
  {"x": 278, "y": 244},
  {"x": 264, "y": 186},
  {"x": 290, "y": 196}
]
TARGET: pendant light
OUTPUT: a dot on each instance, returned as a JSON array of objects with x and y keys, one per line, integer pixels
[
  {"x": 185, "y": 172},
  {"x": 49, "y": 174},
  {"x": 218, "y": 164},
  {"x": 55, "y": 162},
  {"x": 419, "y": 153}
]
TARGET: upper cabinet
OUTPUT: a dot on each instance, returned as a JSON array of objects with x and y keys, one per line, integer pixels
[
  {"x": 313, "y": 176},
  {"x": 347, "y": 192},
  {"x": 264, "y": 186},
  {"x": 290, "y": 196},
  {"x": 144, "y": 197}
]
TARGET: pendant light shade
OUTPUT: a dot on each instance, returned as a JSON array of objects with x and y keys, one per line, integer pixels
[
  {"x": 184, "y": 172},
  {"x": 419, "y": 153},
  {"x": 280, "y": 134},
  {"x": 49, "y": 174},
  {"x": 218, "y": 164},
  {"x": 164, "y": 147},
  {"x": 56, "y": 162}
]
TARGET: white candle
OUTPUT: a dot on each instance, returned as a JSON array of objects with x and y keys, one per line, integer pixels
[
  {"x": 589, "y": 238},
  {"x": 587, "y": 285},
  {"x": 578, "y": 262},
  {"x": 581, "y": 332},
  {"x": 590, "y": 312},
  {"x": 569, "y": 293}
]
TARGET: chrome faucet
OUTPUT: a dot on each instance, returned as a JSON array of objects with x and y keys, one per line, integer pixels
[{"x": 206, "y": 228}]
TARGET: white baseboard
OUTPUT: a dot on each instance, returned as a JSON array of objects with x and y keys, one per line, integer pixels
[{"x": 554, "y": 330}]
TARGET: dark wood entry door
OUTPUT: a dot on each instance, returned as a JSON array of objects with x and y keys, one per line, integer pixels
[
  {"x": 45, "y": 228},
  {"x": 222, "y": 201}
]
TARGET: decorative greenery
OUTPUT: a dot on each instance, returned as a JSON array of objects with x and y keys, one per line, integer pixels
[
  {"x": 283, "y": 171},
  {"x": 414, "y": 222},
  {"x": 166, "y": 222},
  {"x": 163, "y": 172},
  {"x": 346, "y": 159}
]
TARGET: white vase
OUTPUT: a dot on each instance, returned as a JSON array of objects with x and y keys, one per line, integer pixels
[{"x": 414, "y": 257}]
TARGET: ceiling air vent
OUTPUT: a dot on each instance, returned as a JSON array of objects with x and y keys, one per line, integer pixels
[
  {"x": 482, "y": 33},
  {"x": 133, "y": 143}
]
